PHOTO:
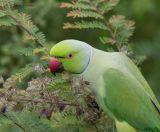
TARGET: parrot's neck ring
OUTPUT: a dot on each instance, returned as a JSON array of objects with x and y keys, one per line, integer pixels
[{"x": 90, "y": 56}]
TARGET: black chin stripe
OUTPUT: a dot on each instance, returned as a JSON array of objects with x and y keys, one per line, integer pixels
[{"x": 59, "y": 57}]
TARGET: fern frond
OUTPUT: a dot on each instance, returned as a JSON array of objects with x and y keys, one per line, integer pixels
[
  {"x": 107, "y": 40},
  {"x": 68, "y": 122},
  {"x": 123, "y": 28},
  {"x": 85, "y": 25},
  {"x": 117, "y": 21},
  {"x": 39, "y": 50},
  {"x": 25, "y": 121},
  {"x": 4, "y": 3},
  {"x": 24, "y": 72},
  {"x": 2, "y": 14},
  {"x": 40, "y": 37},
  {"x": 83, "y": 14},
  {"x": 77, "y": 5},
  {"x": 4, "y": 21},
  {"x": 56, "y": 84},
  {"x": 24, "y": 21},
  {"x": 107, "y": 5},
  {"x": 26, "y": 51},
  {"x": 117, "y": 26}
]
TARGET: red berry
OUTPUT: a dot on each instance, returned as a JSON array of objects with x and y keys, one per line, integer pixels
[{"x": 54, "y": 65}]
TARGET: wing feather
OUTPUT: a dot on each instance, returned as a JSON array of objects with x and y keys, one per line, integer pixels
[{"x": 128, "y": 101}]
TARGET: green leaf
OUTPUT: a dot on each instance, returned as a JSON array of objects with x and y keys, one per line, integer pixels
[
  {"x": 68, "y": 123},
  {"x": 107, "y": 40},
  {"x": 2, "y": 14},
  {"x": 84, "y": 14},
  {"x": 4, "y": 21},
  {"x": 25, "y": 121},
  {"x": 26, "y": 51},
  {"x": 24, "y": 20},
  {"x": 77, "y": 5},
  {"x": 107, "y": 5},
  {"x": 122, "y": 28},
  {"x": 117, "y": 21},
  {"x": 85, "y": 25},
  {"x": 24, "y": 72},
  {"x": 4, "y": 3}
]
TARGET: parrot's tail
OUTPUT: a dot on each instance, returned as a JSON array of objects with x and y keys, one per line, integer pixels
[
  {"x": 158, "y": 125},
  {"x": 124, "y": 127},
  {"x": 157, "y": 128}
]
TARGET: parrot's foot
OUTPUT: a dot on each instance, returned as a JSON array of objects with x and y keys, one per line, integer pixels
[{"x": 124, "y": 127}]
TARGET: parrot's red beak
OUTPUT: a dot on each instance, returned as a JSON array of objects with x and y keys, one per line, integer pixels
[{"x": 55, "y": 65}]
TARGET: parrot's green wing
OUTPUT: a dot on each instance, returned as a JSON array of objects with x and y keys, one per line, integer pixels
[
  {"x": 137, "y": 74},
  {"x": 128, "y": 101}
]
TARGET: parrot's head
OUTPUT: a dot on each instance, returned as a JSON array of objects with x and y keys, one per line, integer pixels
[{"x": 72, "y": 55}]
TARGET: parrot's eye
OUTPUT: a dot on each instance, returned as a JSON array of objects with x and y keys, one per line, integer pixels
[{"x": 70, "y": 56}]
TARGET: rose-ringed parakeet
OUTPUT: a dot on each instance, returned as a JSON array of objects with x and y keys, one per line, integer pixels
[{"x": 120, "y": 88}]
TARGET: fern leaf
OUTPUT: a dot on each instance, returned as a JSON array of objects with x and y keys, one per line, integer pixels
[
  {"x": 107, "y": 40},
  {"x": 77, "y": 5},
  {"x": 26, "y": 51},
  {"x": 24, "y": 72},
  {"x": 107, "y": 5},
  {"x": 40, "y": 37},
  {"x": 39, "y": 50},
  {"x": 4, "y": 21},
  {"x": 83, "y": 14},
  {"x": 85, "y": 25},
  {"x": 68, "y": 122},
  {"x": 23, "y": 20},
  {"x": 56, "y": 84},
  {"x": 2, "y": 14},
  {"x": 123, "y": 28},
  {"x": 4, "y": 3},
  {"x": 26, "y": 121},
  {"x": 117, "y": 21},
  {"x": 26, "y": 22}
]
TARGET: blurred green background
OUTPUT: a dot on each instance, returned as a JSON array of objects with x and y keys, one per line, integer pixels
[{"x": 47, "y": 15}]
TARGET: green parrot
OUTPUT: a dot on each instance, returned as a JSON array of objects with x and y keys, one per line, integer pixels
[{"x": 120, "y": 88}]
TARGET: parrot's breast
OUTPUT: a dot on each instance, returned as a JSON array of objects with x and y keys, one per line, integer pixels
[{"x": 100, "y": 61}]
